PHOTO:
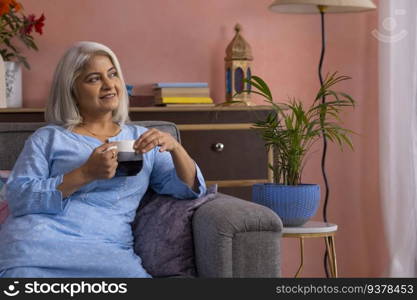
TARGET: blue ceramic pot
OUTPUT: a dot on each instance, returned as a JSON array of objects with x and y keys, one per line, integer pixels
[{"x": 294, "y": 204}]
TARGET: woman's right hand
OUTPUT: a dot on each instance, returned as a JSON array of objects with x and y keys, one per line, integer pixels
[{"x": 102, "y": 163}]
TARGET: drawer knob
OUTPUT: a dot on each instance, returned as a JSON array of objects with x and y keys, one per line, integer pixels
[{"x": 218, "y": 147}]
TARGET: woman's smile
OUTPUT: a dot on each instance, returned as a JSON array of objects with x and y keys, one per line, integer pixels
[{"x": 108, "y": 96}]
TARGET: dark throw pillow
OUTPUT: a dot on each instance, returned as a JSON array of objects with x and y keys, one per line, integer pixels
[{"x": 163, "y": 234}]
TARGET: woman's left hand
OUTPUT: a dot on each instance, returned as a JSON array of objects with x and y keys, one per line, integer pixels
[{"x": 153, "y": 138}]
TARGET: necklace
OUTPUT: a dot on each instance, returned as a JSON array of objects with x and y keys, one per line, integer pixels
[{"x": 100, "y": 135}]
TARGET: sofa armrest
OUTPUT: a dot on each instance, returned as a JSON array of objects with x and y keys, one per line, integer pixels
[{"x": 236, "y": 238}]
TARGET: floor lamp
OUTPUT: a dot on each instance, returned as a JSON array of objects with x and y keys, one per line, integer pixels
[{"x": 322, "y": 7}]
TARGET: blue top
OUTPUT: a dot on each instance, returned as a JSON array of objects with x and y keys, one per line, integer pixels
[{"x": 87, "y": 234}]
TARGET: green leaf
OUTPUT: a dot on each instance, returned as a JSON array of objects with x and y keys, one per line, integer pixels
[{"x": 293, "y": 128}]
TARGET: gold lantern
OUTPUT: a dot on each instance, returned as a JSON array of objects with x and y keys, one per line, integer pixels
[{"x": 238, "y": 65}]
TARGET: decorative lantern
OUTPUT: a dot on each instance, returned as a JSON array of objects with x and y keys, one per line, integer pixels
[{"x": 238, "y": 64}]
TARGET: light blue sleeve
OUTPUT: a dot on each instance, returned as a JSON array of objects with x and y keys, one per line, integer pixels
[
  {"x": 29, "y": 188},
  {"x": 164, "y": 179}
]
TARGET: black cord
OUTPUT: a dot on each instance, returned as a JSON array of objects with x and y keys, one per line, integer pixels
[{"x": 323, "y": 158}]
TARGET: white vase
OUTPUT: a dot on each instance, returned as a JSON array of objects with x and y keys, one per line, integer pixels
[
  {"x": 13, "y": 84},
  {"x": 3, "y": 102}
]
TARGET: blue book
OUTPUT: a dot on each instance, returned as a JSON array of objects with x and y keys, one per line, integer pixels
[{"x": 181, "y": 84}]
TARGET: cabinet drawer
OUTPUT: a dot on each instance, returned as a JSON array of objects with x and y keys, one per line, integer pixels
[
  {"x": 243, "y": 155},
  {"x": 243, "y": 192}
]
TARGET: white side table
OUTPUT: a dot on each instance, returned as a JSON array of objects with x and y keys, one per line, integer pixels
[{"x": 313, "y": 229}]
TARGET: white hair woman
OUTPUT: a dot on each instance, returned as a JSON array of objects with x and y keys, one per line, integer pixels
[
  {"x": 62, "y": 108},
  {"x": 70, "y": 215}
]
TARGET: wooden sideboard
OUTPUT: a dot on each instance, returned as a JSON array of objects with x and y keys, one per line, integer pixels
[{"x": 219, "y": 139}]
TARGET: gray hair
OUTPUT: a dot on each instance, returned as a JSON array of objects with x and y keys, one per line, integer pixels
[{"x": 62, "y": 108}]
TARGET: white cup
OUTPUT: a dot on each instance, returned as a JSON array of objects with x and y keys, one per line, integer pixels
[
  {"x": 125, "y": 145},
  {"x": 129, "y": 162}
]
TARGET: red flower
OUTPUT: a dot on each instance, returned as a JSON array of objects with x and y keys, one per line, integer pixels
[
  {"x": 16, "y": 26},
  {"x": 16, "y": 5},
  {"x": 29, "y": 23},
  {"x": 39, "y": 23},
  {"x": 4, "y": 7}
]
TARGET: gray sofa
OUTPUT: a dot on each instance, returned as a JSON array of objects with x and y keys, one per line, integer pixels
[{"x": 232, "y": 237}]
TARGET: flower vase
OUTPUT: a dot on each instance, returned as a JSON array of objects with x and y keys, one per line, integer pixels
[
  {"x": 3, "y": 102},
  {"x": 13, "y": 84}
]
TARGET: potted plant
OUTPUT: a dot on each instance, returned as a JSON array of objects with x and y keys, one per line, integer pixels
[
  {"x": 290, "y": 131},
  {"x": 16, "y": 30}
]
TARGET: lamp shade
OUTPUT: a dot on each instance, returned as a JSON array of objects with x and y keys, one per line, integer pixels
[{"x": 311, "y": 6}]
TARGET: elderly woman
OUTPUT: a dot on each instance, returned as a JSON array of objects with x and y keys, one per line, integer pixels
[{"x": 70, "y": 216}]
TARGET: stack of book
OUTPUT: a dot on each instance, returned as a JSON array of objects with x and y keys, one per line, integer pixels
[{"x": 182, "y": 94}]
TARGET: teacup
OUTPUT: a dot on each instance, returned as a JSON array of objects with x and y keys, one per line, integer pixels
[{"x": 129, "y": 162}]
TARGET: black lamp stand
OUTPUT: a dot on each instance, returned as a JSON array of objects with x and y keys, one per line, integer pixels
[{"x": 322, "y": 10}]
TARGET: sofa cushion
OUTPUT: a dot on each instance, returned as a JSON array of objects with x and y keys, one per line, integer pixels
[{"x": 163, "y": 234}]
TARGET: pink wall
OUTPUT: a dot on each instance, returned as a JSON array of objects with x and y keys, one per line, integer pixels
[{"x": 185, "y": 40}]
